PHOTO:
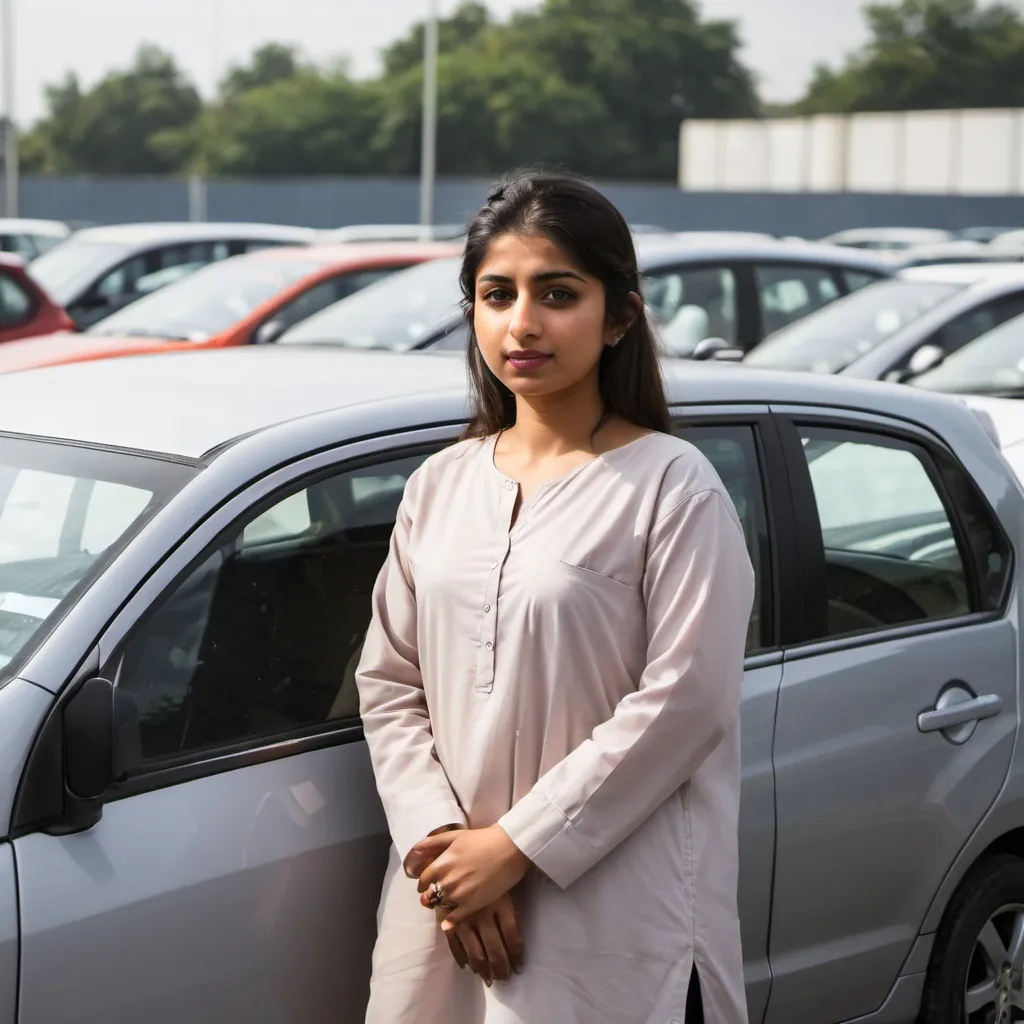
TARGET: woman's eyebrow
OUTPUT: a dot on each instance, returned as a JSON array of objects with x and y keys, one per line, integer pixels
[{"x": 547, "y": 275}]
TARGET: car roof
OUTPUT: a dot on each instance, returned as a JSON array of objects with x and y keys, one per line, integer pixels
[
  {"x": 29, "y": 225},
  {"x": 965, "y": 273},
  {"x": 191, "y": 403},
  {"x": 357, "y": 252},
  {"x": 186, "y": 231},
  {"x": 657, "y": 251},
  {"x": 12, "y": 260}
]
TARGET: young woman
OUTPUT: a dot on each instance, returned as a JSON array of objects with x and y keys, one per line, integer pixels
[{"x": 550, "y": 685}]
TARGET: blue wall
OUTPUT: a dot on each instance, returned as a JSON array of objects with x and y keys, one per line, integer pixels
[{"x": 332, "y": 202}]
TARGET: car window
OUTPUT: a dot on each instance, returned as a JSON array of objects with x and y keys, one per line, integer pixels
[
  {"x": 992, "y": 364},
  {"x": 326, "y": 293},
  {"x": 690, "y": 304},
  {"x": 262, "y": 637},
  {"x": 22, "y": 245},
  {"x": 732, "y": 450},
  {"x": 789, "y": 293},
  {"x": 830, "y": 339},
  {"x": 122, "y": 280},
  {"x": 892, "y": 555},
  {"x": 16, "y": 304},
  {"x": 63, "y": 510},
  {"x": 970, "y": 325},
  {"x": 857, "y": 279}
]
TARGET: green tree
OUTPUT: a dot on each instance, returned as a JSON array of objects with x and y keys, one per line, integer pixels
[
  {"x": 310, "y": 123},
  {"x": 114, "y": 128},
  {"x": 272, "y": 63},
  {"x": 467, "y": 25},
  {"x": 928, "y": 55}
]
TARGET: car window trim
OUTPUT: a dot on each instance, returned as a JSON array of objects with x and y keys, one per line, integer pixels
[
  {"x": 782, "y": 595},
  {"x": 262, "y": 493},
  {"x": 812, "y": 552}
]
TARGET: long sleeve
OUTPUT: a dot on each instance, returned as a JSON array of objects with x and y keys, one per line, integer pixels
[
  {"x": 698, "y": 591},
  {"x": 412, "y": 783}
]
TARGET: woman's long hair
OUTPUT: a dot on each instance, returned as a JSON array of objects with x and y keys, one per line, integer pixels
[{"x": 591, "y": 231}]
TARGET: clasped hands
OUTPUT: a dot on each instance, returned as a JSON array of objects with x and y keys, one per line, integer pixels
[{"x": 476, "y": 870}]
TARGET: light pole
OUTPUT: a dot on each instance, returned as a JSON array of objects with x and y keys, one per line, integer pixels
[
  {"x": 10, "y": 131},
  {"x": 428, "y": 151}
]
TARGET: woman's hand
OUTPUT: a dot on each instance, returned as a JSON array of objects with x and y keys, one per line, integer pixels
[
  {"x": 490, "y": 941},
  {"x": 474, "y": 868}
]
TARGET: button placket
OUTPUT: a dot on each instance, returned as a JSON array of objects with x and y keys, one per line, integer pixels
[{"x": 488, "y": 626}]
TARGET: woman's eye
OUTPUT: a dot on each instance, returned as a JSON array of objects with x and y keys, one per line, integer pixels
[
  {"x": 498, "y": 295},
  {"x": 561, "y": 295}
]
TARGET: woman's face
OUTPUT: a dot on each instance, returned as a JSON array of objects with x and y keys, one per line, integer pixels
[{"x": 540, "y": 321}]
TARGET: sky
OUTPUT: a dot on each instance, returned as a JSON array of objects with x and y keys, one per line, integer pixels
[{"x": 784, "y": 38}]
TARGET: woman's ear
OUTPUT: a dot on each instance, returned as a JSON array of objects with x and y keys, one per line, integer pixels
[{"x": 634, "y": 308}]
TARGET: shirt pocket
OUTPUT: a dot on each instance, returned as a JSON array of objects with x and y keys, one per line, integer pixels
[{"x": 598, "y": 579}]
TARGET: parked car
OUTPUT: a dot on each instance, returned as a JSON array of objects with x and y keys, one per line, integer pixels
[
  {"x": 250, "y": 299},
  {"x": 187, "y": 549},
  {"x": 392, "y": 233},
  {"x": 961, "y": 250},
  {"x": 25, "y": 308},
  {"x": 707, "y": 292},
  {"x": 99, "y": 270},
  {"x": 888, "y": 239},
  {"x": 902, "y": 327},
  {"x": 29, "y": 238}
]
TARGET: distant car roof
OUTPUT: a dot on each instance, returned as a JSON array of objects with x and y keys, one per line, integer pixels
[
  {"x": 392, "y": 233},
  {"x": 656, "y": 251},
  {"x": 357, "y": 252},
  {"x": 906, "y": 235},
  {"x": 29, "y": 225},
  {"x": 189, "y": 404},
  {"x": 964, "y": 273},
  {"x": 173, "y": 231}
]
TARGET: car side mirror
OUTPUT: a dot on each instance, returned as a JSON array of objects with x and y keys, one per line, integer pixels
[
  {"x": 102, "y": 744},
  {"x": 268, "y": 332},
  {"x": 927, "y": 357},
  {"x": 708, "y": 347}
]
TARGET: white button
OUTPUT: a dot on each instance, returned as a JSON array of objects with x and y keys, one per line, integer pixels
[
  {"x": 490, "y": 646},
  {"x": 487, "y": 607},
  {"x": 508, "y": 485}
]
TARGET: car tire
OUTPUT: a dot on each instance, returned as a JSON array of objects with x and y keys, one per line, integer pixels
[{"x": 989, "y": 905}]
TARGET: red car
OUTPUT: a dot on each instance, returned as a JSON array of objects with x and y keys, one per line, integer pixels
[
  {"x": 25, "y": 309},
  {"x": 248, "y": 299}
]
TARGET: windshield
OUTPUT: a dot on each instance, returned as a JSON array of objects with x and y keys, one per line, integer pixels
[
  {"x": 72, "y": 266},
  {"x": 992, "y": 364},
  {"x": 208, "y": 301},
  {"x": 64, "y": 511},
  {"x": 831, "y": 339},
  {"x": 398, "y": 313}
]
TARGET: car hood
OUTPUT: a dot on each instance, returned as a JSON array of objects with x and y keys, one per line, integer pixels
[{"x": 73, "y": 347}]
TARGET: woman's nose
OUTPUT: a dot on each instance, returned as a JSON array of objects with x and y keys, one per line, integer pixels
[{"x": 524, "y": 323}]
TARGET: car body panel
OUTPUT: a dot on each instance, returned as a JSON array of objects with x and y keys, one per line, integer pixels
[
  {"x": 23, "y": 707},
  {"x": 10, "y": 942},
  {"x": 71, "y": 346},
  {"x": 247, "y": 895}
]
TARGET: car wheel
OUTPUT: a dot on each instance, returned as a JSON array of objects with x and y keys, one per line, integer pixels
[{"x": 976, "y": 973}]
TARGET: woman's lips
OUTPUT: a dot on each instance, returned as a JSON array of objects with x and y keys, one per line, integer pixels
[{"x": 527, "y": 359}]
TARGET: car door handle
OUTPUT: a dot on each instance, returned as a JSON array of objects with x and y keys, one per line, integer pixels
[{"x": 950, "y": 715}]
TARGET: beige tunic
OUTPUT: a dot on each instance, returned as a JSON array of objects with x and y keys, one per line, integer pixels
[{"x": 576, "y": 678}]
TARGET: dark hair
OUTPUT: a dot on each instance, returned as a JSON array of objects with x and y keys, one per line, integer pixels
[{"x": 591, "y": 231}]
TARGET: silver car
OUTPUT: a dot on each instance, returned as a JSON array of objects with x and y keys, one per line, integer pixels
[{"x": 190, "y": 826}]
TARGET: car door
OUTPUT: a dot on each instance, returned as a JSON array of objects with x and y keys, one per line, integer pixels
[
  {"x": 235, "y": 876},
  {"x": 906, "y": 573},
  {"x": 743, "y": 447}
]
